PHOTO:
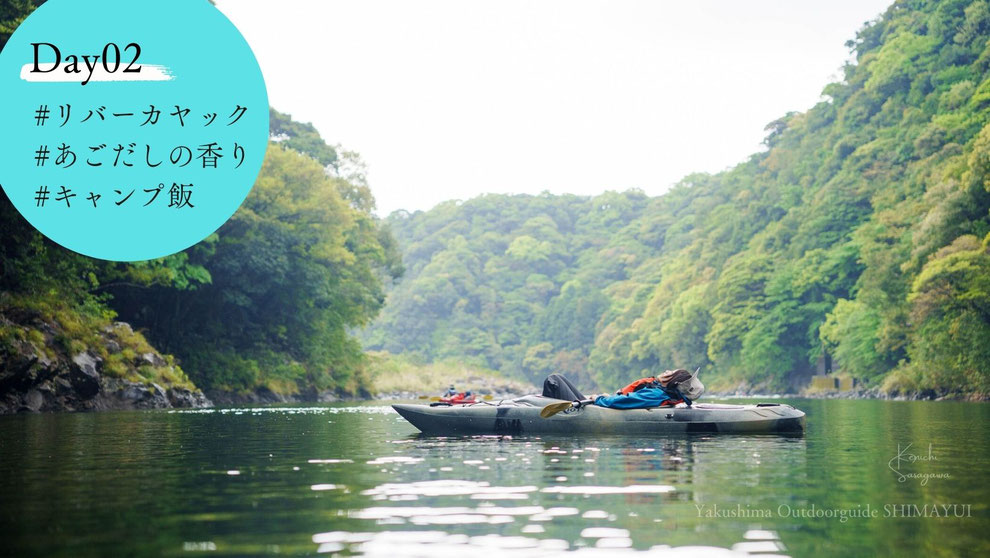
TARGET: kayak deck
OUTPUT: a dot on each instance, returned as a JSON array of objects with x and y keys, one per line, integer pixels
[{"x": 522, "y": 416}]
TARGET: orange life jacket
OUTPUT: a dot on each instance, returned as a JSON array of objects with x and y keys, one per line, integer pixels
[
  {"x": 638, "y": 385},
  {"x": 462, "y": 397}
]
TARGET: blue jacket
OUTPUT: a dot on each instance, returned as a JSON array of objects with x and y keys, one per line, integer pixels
[{"x": 641, "y": 399}]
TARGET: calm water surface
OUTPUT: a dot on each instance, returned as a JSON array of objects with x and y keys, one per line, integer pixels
[{"x": 357, "y": 480}]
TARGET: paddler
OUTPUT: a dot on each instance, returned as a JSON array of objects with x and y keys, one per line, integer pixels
[{"x": 667, "y": 389}]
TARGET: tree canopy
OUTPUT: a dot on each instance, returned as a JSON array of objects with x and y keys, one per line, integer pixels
[
  {"x": 859, "y": 233},
  {"x": 267, "y": 301}
]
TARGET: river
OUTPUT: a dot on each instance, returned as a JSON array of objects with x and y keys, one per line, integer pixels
[{"x": 868, "y": 478}]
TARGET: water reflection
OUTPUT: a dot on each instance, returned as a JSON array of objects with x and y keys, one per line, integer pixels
[
  {"x": 356, "y": 479},
  {"x": 584, "y": 496}
]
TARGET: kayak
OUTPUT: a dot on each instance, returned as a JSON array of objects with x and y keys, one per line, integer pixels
[{"x": 522, "y": 416}]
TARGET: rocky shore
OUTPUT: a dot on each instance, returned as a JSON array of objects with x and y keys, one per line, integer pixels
[
  {"x": 53, "y": 386},
  {"x": 37, "y": 375}
]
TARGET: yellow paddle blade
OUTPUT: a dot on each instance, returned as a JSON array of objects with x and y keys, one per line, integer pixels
[
  {"x": 554, "y": 408},
  {"x": 436, "y": 398},
  {"x": 488, "y": 397}
]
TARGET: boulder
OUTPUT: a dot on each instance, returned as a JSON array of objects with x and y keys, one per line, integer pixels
[
  {"x": 84, "y": 375},
  {"x": 33, "y": 400},
  {"x": 140, "y": 396},
  {"x": 134, "y": 393},
  {"x": 153, "y": 359},
  {"x": 63, "y": 386},
  {"x": 188, "y": 399},
  {"x": 47, "y": 388},
  {"x": 24, "y": 367},
  {"x": 159, "y": 395}
]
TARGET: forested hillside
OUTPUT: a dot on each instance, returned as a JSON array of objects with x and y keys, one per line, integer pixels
[
  {"x": 858, "y": 237},
  {"x": 265, "y": 303},
  {"x": 514, "y": 283}
]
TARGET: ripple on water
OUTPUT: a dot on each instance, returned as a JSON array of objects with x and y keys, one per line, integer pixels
[
  {"x": 445, "y": 488},
  {"x": 386, "y": 460},
  {"x": 440, "y": 544},
  {"x": 484, "y": 491},
  {"x": 374, "y": 410},
  {"x": 599, "y": 490}
]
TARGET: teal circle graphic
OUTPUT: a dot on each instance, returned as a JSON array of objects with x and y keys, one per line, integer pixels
[{"x": 158, "y": 148}]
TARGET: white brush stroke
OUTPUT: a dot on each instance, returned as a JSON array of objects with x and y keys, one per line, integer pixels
[{"x": 149, "y": 72}]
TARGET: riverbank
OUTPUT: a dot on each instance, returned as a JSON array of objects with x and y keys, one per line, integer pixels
[
  {"x": 60, "y": 360},
  {"x": 497, "y": 387},
  {"x": 399, "y": 377},
  {"x": 872, "y": 393},
  {"x": 392, "y": 377},
  {"x": 119, "y": 370},
  {"x": 113, "y": 394}
]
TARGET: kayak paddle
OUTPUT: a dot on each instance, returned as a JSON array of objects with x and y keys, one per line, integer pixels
[{"x": 554, "y": 408}]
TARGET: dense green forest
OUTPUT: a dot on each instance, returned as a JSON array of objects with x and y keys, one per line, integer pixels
[
  {"x": 858, "y": 237},
  {"x": 269, "y": 299},
  {"x": 265, "y": 302},
  {"x": 513, "y": 283}
]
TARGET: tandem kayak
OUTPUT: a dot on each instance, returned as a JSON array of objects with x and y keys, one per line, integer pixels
[{"x": 522, "y": 416}]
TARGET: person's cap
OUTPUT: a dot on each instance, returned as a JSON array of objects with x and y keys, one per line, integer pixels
[{"x": 692, "y": 388}]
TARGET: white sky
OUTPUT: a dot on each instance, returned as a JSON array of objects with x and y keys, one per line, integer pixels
[{"x": 452, "y": 99}]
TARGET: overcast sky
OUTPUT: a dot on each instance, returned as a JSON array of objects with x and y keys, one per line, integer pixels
[{"x": 452, "y": 99}]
